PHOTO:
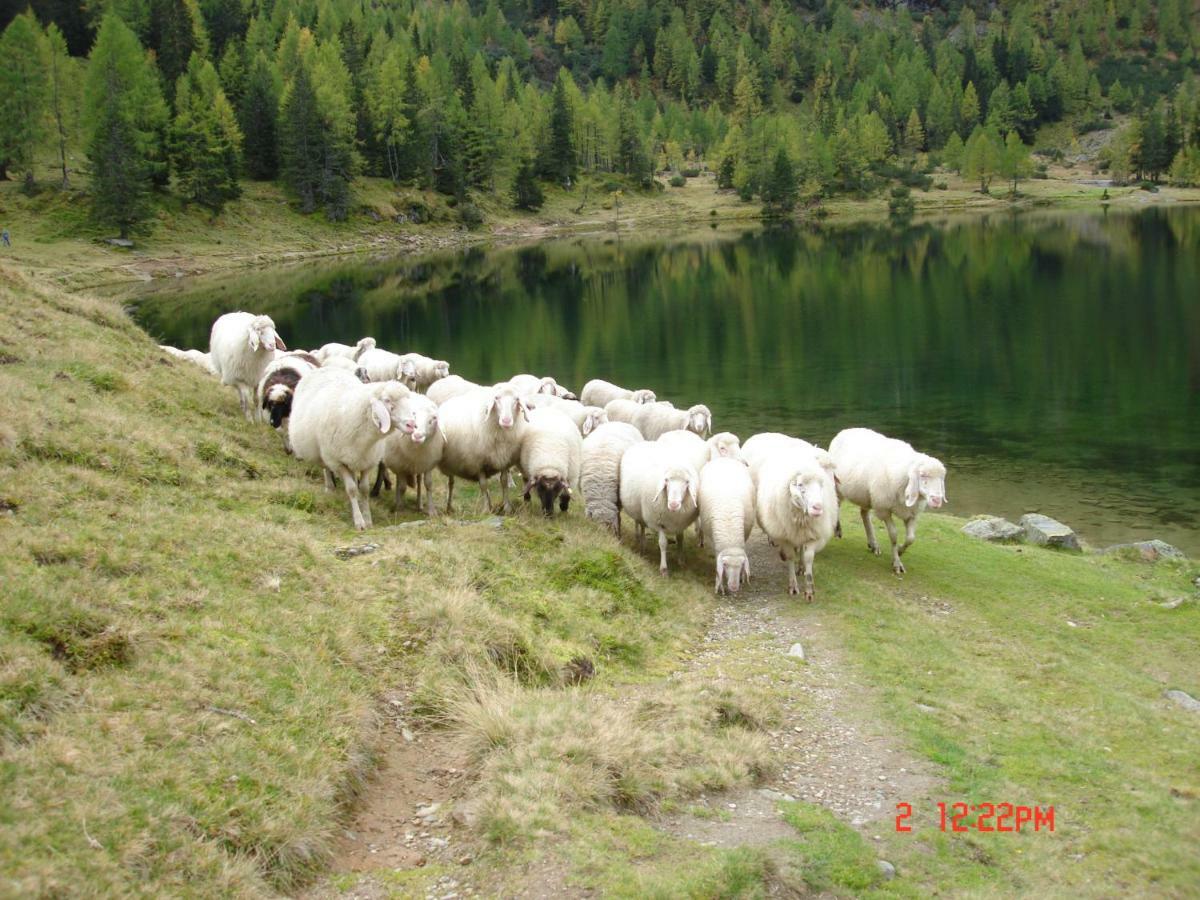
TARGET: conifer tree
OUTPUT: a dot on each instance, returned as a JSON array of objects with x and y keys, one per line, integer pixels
[
  {"x": 126, "y": 120},
  {"x": 24, "y": 93},
  {"x": 301, "y": 145},
  {"x": 63, "y": 76},
  {"x": 526, "y": 192},
  {"x": 175, "y": 30},
  {"x": 559, "y": 163},
  {"x": 205, "y": 139},
  {"x": 779, "y": 188},
  {"x": 258, "y": 116}
]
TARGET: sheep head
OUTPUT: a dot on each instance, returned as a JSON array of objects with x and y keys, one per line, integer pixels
[
  {"x": 926, "y": 481},
  {"x": 699, "y": 419},
  {"x": 262, "y": 334},
  {"x": 506, "y": 404},
  {"x": 732, "y": 565},
  {"x": 806, "y": 491},
  {"x": 725, "y": 444},
  {"x": 679, "y": 485},
  {"x": 645, "y": 395}
]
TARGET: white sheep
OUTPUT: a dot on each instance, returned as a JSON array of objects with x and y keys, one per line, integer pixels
[
  {"x": 600, "y": 477},
  {"x": 348, "y": 365},
  {"x": 196, "y": 357},
  {"x": 621, "y": 409},
  {"x": 421, "y": 371},
  {"x": 345, "y": 351},
  {"x": 658, "y": 492},
  {"x": 698, "y": 452},
  {"x": 655, "y": 419},
  {"x": 551, "y": 458},
  {"x": 483, "y": 437},
  {"x": 888, "y": 477},
  {"x": 384, "y": 365},
  {"x": 451, "y": 386},
  {"x": 242, "y": 345},
  {"x": 414, "y": 448},
  {"x": 340, "y": 422},
  {"x": 277, "y": 388},
  {"x": 586, "y": 418},
  {"x": 796, "y": 504},
  {"x": 762, "y": 446},
  {"x": 727, "y": 518},
  {"x": 532, "y": 384},
  {"x": 598, "y": 392},
  {"x": 725, "y": 444}
]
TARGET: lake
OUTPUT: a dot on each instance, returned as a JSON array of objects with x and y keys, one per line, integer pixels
[{"x": 1052, "y": 360}]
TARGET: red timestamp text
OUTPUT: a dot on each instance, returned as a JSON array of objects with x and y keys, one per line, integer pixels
[{"x": 983, "y": 817}]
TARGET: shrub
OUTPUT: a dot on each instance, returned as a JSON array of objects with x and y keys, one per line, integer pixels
[
  {"x": 470, "y": 214},
  {"x": 691, "y": 173},
  {"x": 678, "y": 181}
]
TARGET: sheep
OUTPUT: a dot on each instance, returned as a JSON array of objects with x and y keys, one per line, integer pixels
[
  {"x": 451, "y": 386},
  {"x": 275, "y": 391},
  {"x": 796, "y": 505},
  {"x": 600, "y": 473},
  {"x": 698, "y": 452},
  {"x": 655, "y": 419},
  {"x": 551, "y": 458},
  {"x": 414, "y": 448},
  {"x": 483, "y": 432},
  {"x": 340, "y": 422},
  {"x": 586, "y": 418},
  {"x": 532, "y": 384},
  {"x": 420, "y": 371},
  {"x": 621, "y": 409},
  {"x": 384, "y": 365},
  {"x": 348, "y": 365},
  {"x": 725, "y": 444},
  {"x": 759, "y": 448},
  {"x": 345, "y": 351},
  {"x": 598, "y": 392},
  {"x": 888, "y": 477},
  {"x": 727, "y": 518},
  {"x": 242, "y": 345},
  {"x": 196, "y": 357},
  {"x": 658, "y": 492}
]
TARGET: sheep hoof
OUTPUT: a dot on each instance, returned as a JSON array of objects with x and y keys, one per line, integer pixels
[
  {"x": 662, "y": 571},
  {"x": 837, "y": 532},
  {"x": 874, "y": 548},
  {"x": 808, "y": 594},
  {"x": 898, "y": 568}
]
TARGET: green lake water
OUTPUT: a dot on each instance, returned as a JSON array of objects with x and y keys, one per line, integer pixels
[{"x": 1052, "y": 360}]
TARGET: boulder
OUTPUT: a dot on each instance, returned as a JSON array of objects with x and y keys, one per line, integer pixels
[
  {"x": 994, "y": 528},
  {"x": 1187, "y": 701},
  {"x": 1049, "y": 532},
  {"x": 1151, "y": 551}
]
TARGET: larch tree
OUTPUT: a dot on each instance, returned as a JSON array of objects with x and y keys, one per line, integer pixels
[
  {"x": 24, "y": 94},
  {"x": 63, "y": 75},
  {"x": 125, "y": 121}
]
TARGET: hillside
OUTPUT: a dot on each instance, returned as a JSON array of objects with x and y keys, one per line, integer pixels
[{"x": 195, "y": 686}]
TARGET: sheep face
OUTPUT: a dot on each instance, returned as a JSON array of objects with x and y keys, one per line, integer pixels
[
  {"x": 441, "y": 368},
  {"x": 406, "y": 372},
  {"x": 278, "y": 402},
  {"x": 594, "y": 419},
  {"x": 550, "y": 488},
  {"x": 699, "y": 420},
  {"x": 643, "y": 396},
  {"x": 725, "y": 444},
  {"x": 926, "y": 481},
  {"x": 731, "y": 566},
  {"x": 367, "y": 343},
  {"x": 548, "y": 386},
  {"x": 419, "y": 419},
  {"x": 388, "y": 406},
  {"x": 506, "y": 405},
  {"x": 262, "y": 334},
  {"x": 806, "y": 491},
  {"x": 679, "y": 486}
]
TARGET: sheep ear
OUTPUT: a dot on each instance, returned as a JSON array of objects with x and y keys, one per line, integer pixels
[
  {"x": 746, "y": 567},
  {"x": 588, "y": 424},
  {"x": 662, "y": 486},
  {"x": 279, "y": 342},
  {"x": 524, "y": 409},
  {"x": 692, "y": 492},
  {"x": 720, "y": 567},
  {"x": 912, "y": 489},
  {"x": 253, "y": 340},
  {"x": 487, "y": 410},
  {"x": 381, "y": 416}
]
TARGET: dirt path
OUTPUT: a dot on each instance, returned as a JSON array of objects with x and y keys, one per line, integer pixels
[
  {"x": 832, "y": 749},
  {"x": 828, "y": 740}
]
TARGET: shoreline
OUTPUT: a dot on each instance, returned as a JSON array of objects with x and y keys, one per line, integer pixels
[{"x": 184, "y": 246}]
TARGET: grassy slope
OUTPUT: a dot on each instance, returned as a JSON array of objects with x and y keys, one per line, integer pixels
[{"x": 165, "y": 565}]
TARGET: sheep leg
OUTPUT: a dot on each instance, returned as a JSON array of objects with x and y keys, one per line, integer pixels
[
  {"x": 872, "y": 544},
  {"x": 487, "y": 495},
  {"x": 449, "y": 494},
  {"x": 401, "y": 487},
  {"x": 247, "y": 406},
  {"x": 641, "y": 536},
  {"x": 429, "y": 493},
  {"x": 793, "y": 586},
  {"x": 662, "y": 552},
  {"x": 417, "y": 481},
  {"x": 700, "y": 535},
  {"x": 329, "y": 482},
  {"x": 505, "y": 480},
  {"x": 350, "y": 482},
  {"x": 809, "y": 554},
  {"x": 910, "y": 534},
  {"x": 380, "y": 480},
  {"x": 679, "y": 541},
  {"x": 897, "y": 566}
]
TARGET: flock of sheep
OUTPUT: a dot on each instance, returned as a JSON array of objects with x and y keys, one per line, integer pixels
[{"x": 362, "y": 412}]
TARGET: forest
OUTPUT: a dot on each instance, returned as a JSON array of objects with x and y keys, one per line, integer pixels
[{"x": 784, "y": 102}]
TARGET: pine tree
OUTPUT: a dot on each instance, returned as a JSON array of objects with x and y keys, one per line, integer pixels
[
  {"x": 725, "y": 173},
  {"x": 914, "y": 133},
  {"x": 526, "y": 192},
  {"x": 258, "y": 116},
  {"x": 952, "y": 153},
  {"x": 631, "y": 154},
  {"x": 1015, "y": 163},
  {"x": 205, "y": 140},
  {"x": 175, "y": 30},
  {"x": 126, "y": 117},
  {"x": 24, "y": 93},
  {"x": 779, "y": 188},
  {"x": 968, "y": 111},
  {"x": 559, "y": 162},
  {"x": 982, "y": 157},
  {"x": 301, "y": 149},
  {"x": 939, "y": 116}
]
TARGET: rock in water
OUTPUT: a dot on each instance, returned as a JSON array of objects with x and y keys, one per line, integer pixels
[
  {"x": 1187, "y": 701},
  {"x": 1151, "y": 551},
  {"x": 1049, "y": 532},
  {"x": 993, "y": 528}
]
